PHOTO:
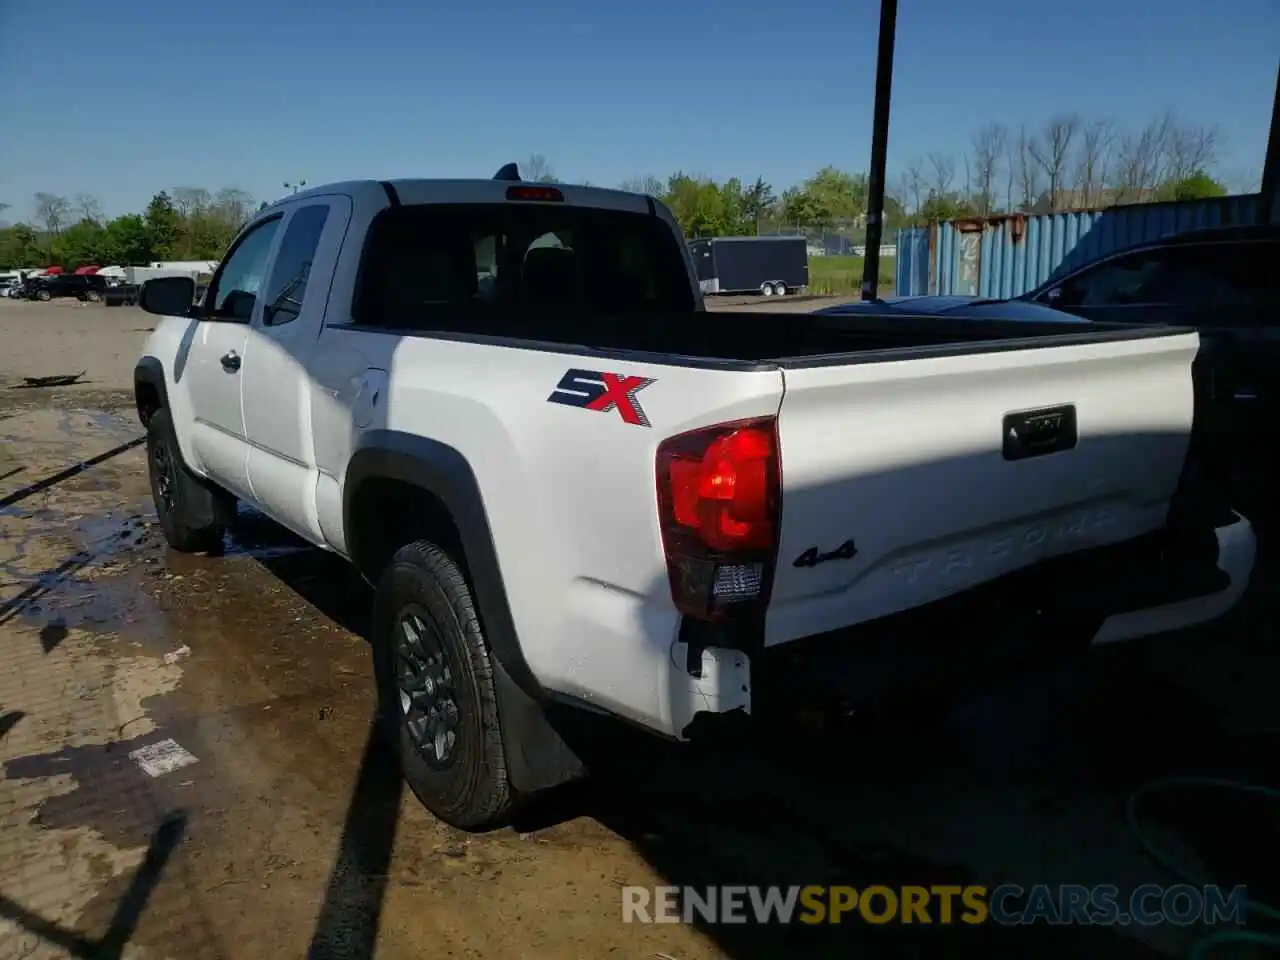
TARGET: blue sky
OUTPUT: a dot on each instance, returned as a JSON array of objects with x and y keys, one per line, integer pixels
[{"x": 123, "y": 99}]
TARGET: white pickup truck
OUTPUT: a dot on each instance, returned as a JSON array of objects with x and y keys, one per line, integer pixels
[{"x": 504, "y": 403}]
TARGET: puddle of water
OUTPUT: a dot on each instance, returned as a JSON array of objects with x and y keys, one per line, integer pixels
[{"x": 256, "y": 535}]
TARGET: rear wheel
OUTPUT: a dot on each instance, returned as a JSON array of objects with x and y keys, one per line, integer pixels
[
  {"x": 780, "y": 289},
  {"x": 92, "y": 296},
  {"x": 192, "y": 515},
  {"x": 766, "y": 289},
  {"x": 437, "y": 701}
]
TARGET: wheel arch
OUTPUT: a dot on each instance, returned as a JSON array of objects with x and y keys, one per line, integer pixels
[
  {"x": 400, "y": 487},
  {"x": 150, "y": 392}
]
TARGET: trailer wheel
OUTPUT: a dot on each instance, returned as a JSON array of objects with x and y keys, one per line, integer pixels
[
  {"x": 780, "y": 289},
  {"x": 766, "y": 289}
]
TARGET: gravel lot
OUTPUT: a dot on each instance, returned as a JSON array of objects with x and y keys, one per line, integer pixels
[{"x": 287, "y": 834}]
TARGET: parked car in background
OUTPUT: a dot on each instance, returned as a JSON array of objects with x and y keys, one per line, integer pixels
[
  {"x": 1224, "y": 282},
  {"x": 82, "y": 286},
  {"x": 120, "y": 294}
]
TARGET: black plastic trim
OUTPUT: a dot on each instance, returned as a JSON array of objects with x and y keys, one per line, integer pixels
[
  {"x": 568, "y": 349},
  {"x": 536, "y": 752},
  {"x": 389, "y": 188},
  {"x": 149, "y": 370},
  {"x": 979, "y": 345},
  {"x": 1037, "y": 433}
]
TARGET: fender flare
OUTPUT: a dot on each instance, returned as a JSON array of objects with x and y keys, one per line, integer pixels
[
  {"x": 537, "y": 755},
  {"x": 150, "y": 371}
]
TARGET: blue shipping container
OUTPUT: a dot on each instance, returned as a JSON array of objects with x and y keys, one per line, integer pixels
[{"x": 1008, "y": 254}]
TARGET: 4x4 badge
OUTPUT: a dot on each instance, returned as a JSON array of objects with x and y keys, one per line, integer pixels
[{"x": 812, "y": 557}]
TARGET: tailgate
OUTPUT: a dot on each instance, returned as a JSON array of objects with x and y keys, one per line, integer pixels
[{"x": 909, "y": 480}]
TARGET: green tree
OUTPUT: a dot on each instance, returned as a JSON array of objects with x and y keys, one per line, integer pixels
[
  {"x": 78, "y": 245},
  {"x": 163, "y": 226},
  {"x": 20, "y": 247},
  {"x": 1198, "y": 186},
  {"x": 126, "y": 241},
  {"x": 801, "y": 208},
  {"x": 837, "y": 195},
  {"x": 701, "y": 206},
  {"x": 946, "y": 206},
  {"x": 758, "y": 202}
]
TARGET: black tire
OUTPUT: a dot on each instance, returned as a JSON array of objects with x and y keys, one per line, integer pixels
[
  {"x": 468, "y": 787},
  {"x": 192, "y": 515},
  {"x": 44, "y": 296}
]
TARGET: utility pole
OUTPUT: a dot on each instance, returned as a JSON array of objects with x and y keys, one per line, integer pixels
[
  {"x": 295, "y": 187},
  {"x": 879, "y": 147},
  {"x": 1269, "y": 194}
]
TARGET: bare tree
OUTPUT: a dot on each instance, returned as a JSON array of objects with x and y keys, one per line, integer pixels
[
  {"x": 1053, "y": 152},
  {"x": 537, "y": 169},
  {"x": 1092, "y": 158},
  {"x": 189, "y": 201},
  {"x": 913, "y": 184},
  {"x": 1239, "y": 179},
  {"x": 1024, "y": 151},
  {"x": 1190, "y": 149},
  {"x": 86, "y": 207},
  {"x": 942, "y": 167},
  {"x": 988, "y": 149},
  {"x": 1141, "y": 160},
  {"x": 647, "y": 184},
  {"x": 233, "y": 205},
  {"x": 52, "y": 211}
]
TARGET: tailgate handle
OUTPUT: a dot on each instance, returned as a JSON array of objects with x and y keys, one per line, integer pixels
[{"x": 1035, "y": 433}]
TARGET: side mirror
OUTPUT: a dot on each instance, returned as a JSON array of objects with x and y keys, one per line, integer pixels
[
  {"x": 1053, "y": 295},
  {"x": 168, "y": 296}
]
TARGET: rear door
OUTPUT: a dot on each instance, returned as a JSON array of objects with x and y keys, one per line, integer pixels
[{"x": 920, "y": 478}]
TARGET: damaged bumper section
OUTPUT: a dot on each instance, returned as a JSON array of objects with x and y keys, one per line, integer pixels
[{"x": 1153, "y": 585}]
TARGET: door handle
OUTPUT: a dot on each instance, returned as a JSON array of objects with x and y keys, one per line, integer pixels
[{"x": 231, "y": 361}]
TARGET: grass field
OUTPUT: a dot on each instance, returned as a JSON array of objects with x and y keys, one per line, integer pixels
[{"x": 834, "y": 276}]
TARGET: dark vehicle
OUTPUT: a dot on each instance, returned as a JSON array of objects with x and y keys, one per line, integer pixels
[
  {"x": 767, "y": 265},
  {"x": 83, "y": 287},
  {"x": 121, "y": 295},
  {"x": 1224, "y": 282}
]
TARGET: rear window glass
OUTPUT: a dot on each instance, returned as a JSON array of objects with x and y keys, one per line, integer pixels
[{"x": 469, "y": 266}]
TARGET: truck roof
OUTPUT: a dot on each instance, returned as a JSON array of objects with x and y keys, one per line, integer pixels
[{"x": 425, "y": 190}]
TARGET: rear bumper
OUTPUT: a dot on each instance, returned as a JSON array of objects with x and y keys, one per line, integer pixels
[
  {"x": 1152, "y": 585},
  {"x": 1237, "y": 547}
]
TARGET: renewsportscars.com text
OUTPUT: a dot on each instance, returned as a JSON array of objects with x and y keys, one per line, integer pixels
[{"x": 1007, "y": 904}]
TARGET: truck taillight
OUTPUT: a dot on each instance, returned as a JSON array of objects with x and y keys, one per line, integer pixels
[{"x": 719, "y": 491}]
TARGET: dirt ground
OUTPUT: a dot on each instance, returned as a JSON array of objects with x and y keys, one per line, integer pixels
[{"x": 273, "y": 827}]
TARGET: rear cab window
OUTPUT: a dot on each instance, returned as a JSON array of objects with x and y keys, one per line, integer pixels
[
  {"x": 509, "y": 268},
  {"x": 286, "y": 289}
]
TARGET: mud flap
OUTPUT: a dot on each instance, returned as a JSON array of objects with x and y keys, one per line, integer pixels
[{"x": 538, "y": 758}]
